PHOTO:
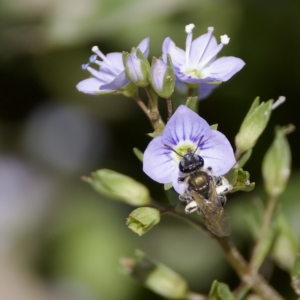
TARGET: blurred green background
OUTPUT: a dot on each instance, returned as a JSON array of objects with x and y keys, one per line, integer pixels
[{"x": 61, "y": 240}]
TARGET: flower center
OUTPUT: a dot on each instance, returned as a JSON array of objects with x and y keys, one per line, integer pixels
[{"x": 182, "y": 149}]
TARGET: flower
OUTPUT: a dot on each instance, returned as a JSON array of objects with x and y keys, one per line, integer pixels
[
  {"x": 111, "y": 76},
  {"x": 198, "y": 63},
  {"x": 182, "y": 133},
  {"x": 162, "y": 77}
]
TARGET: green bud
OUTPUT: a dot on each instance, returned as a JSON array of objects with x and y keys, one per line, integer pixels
[
  {"x": 155, "y": 276},
  {"x": 296, "y": 275},
  {"x": 142, "y": 219},
  {"x": 162, "y": 77},
  {"x": 276, "y": 165},
  {"x": 136, "y": 69},
  {"x": 253, "y": 125},
  {"x": 284, "y": 248},
  {"x": 118, "y": 186}
]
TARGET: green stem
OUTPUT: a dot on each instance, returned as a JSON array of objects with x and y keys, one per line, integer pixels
[{"x": 254, "y": 264}]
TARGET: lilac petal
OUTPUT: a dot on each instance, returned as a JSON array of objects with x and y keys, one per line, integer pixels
[
  {"x": 144, "y": 46},
  {"x": 157, "y": 164},
  {"x": 206, "y": 89},
  {"x": 115, "y": 60},
  {"x": 185, "y": 125},
  {"x": 89, "y": 86},
  {"x": 179, "y": 187},
  {"x": 120, "y": 81},
  {"x": 158, "y": 72},
  {"x": 218, "y": 154},
  {"x": 202, "y": 47},
  {"x": 177, "y": 54},
  {"x": 224, "y": 68},
  {"x": 134, "y": 65}
]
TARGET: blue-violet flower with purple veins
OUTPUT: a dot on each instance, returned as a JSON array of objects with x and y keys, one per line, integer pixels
[
  {"x": 182, "y": 133},
  {"x": 111, "y": 76},
  {"x": 198, "y": 63}
]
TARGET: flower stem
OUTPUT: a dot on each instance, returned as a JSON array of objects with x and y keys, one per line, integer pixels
[
  {"x": 249, "y": 278},
  {"x": 169, "y": 106},
  {"x": 152, "y": 114},
  {"x": 254, "y": 264}
]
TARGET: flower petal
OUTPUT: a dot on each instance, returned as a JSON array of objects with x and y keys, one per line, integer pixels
[
  {"x": 185, "y": 125},
  {"x": 201, "y": 48},
  {"x": 157, "y": 164},
  {"x": 144, "y": 46},
  {"x": 206, "y": 89},
  {"x": 89, "y": 86},
  {"x": 218, "y": 154},
  {"x": 120, "y": 81},
  {"x": 177, "y": 54},
  {"x": 224, "y": 68}
]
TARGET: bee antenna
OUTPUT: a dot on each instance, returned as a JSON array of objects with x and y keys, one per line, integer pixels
[
  {"x": 173, "y": 150},
  {"x": 198, "y": 143}
]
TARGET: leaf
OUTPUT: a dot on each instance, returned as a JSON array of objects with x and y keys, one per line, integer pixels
[{"x": 220, "y": 291}]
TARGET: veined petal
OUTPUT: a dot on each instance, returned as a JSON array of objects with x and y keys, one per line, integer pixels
[
  {"x": 185, "y": 125},
  {"x": 144, "y": 46},
  {"x": 115, "y": 60},
  {"x": 120, "y": 81},
  {"x": 218, "y": 154},
  {"x": 223, "y": 68},
  {"x": 157, "y": 164},
  {"x": 202, "y": 47},
  {"x": 89, "y": 86}
]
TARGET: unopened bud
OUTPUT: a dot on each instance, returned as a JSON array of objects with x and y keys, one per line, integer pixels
[
  {"x": 155, "y": 276},
  {"x": 136, "y": 69},
  {"x": 253, "y": 125},
  {"x": 276, "y": 165},
  {"x": 118, "y": 186},
  {"x": 162, "y": 77},
  {"x": 142, "y": 219}
]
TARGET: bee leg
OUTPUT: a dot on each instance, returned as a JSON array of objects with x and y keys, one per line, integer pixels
[
  {"x": 191, "y": 207},
  {"x": 222, "y": 198},
  {"x": 199, "y": 212}
]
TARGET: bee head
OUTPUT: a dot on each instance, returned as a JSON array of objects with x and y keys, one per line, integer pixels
[{"x": 190, "y": 162}]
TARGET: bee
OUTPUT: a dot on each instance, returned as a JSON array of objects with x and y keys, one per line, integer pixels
[{"x": 205, "y": 193}]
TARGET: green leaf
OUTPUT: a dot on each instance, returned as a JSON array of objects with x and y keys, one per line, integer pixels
[
  {"x": 142, "y": 219},
  {"x": 192, "y": 103},
  {"x": 118, "y": 186},
  {"x": 138, "y": 153},
  {"x": 240, "y": 180},
  {"x": 220, "y": 291},
  {"x": 214, "y": 127}
]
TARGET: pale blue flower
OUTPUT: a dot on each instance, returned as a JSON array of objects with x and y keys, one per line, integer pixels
[
  {"x": 198, "y": 63},
  {"x": 111, "y": 76},
  {"x": 183, "y": 132}
]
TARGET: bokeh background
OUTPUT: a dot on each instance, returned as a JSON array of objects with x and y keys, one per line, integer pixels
[{"x": 58, "y": 238}]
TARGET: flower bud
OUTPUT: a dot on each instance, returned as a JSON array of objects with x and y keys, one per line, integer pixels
[
  {"x": 253, "y": 125},
  {"x": 162, "y": 77},
  {"x": 155, "y": 276},
  {"x": 276, "y": 165},
  {"x": 142, "y": 219},
  {"x": 136, "y": 69},
  {"x": 118, "y": 186}
]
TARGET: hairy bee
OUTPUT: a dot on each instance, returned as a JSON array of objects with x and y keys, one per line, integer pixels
[{"x": 204, "y": 193}]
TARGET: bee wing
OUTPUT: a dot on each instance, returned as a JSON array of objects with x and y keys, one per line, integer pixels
[{"x": 215, "y": 217}]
